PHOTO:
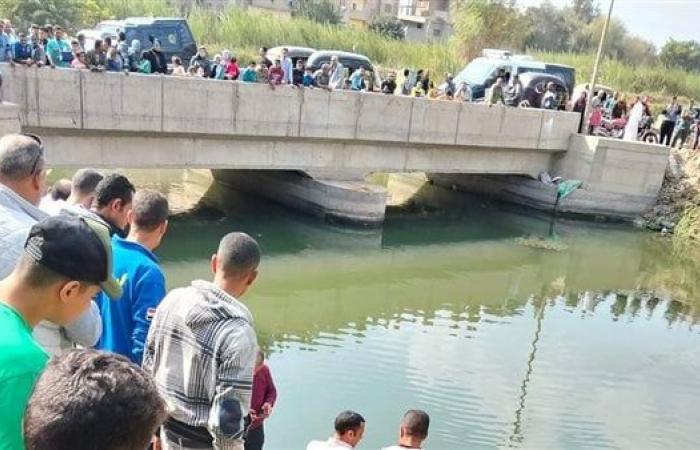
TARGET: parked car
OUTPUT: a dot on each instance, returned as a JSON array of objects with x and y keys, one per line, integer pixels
[
  {"x": 351, "y": 61},
  {"x": 295, "y": 53},
  {"x": 535, "y": 86},
  {"x": 174, "y": 34},
  {"x": 482, "y": 72}
]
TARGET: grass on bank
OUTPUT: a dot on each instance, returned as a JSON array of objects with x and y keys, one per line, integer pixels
[{"x": 244, "y": 31}]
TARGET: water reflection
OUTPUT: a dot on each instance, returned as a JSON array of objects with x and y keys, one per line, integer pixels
[{"x": 504, "y": 344}]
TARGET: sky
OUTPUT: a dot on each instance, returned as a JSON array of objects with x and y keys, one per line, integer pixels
[{"x": 655, "y": 20}]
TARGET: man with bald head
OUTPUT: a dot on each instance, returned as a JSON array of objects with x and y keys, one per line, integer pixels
[
  {"x": 22, "y": 184},
  {"x": 413, "y": 430},
  {"x": 201, "y": 350}
]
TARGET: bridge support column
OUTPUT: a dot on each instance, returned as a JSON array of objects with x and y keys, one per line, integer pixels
[
  {"x": 336, "y": 200},
  {"x": 621, "y": 180}
]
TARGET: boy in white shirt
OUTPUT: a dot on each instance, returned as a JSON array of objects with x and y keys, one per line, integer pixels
[
  {"x": 349, "y": 428},
  {"x": 413, "y": 431}
]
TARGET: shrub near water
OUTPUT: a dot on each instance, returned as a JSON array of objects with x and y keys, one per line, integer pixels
[{"x": 245, "y": 31}]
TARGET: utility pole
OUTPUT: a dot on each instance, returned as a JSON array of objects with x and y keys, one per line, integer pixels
[{"x": 599, "y": 56}]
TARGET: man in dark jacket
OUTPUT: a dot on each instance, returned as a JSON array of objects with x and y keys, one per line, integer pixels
[
  {"x": 201, "y": 59},
  {"x": 155, "y": 56}
]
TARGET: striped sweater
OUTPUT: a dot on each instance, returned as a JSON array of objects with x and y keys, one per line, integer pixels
[{"x": 201, "y": 350}]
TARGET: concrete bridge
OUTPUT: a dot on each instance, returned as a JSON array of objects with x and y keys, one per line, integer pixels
[{"x": 260, "y": 140}]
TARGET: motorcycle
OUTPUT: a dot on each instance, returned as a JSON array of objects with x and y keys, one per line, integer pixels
[
  {"x": 610, "y": 128},
  {"x": 615, "y": 128}
]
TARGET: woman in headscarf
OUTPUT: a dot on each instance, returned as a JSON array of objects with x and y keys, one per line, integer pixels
[{"x": 136, "y": 62}]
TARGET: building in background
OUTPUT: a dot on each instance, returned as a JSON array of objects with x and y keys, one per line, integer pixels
[
  {"x": 425, "y": 19},
  {"x": 363, "y": 12}
]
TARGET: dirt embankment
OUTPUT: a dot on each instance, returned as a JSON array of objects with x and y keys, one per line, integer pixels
[{"x": 677, "y": 210}]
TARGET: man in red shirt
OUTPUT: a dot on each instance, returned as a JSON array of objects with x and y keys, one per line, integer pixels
[{"x": 261, "y": 403}]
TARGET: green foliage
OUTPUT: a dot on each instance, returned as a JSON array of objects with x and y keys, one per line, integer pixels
[
  {"x": 245, "y": 31},
  {"x": 578, "y": 29},
  {"x": 57, "y": 12},
  {"x": 320, "y": 11},
  {"x": 682, "y": 54},
  {"x": 389, "y": 27},
  {"x": 76, "y": 14},
  {"x": 480, "y": 24}
]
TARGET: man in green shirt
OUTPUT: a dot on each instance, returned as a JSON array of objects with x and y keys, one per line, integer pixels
[
  {"x": 66, "y": 261},
  {"x": 58, "y": 50}
]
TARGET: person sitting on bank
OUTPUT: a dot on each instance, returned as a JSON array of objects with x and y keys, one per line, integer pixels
[
  {"x": 413, "y": 430},
  {"x": 125, "y": 323},
  {"x": 349, "y": 429},
  {"x": 261, "y": 404},
  {"x": 89, "y": 390},
  {"x": 46, "y": 285}
]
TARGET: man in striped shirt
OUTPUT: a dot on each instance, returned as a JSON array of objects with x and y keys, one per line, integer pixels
[{"x": 201, "y": 350}]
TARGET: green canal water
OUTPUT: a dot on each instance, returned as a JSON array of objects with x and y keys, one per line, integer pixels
[{"x": 505, "y": 344}]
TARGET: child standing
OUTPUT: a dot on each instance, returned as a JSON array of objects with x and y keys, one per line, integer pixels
[{"x": 261, "y": 404}]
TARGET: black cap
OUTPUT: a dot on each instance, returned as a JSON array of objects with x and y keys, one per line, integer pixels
[{"x": 78, "y": 248}]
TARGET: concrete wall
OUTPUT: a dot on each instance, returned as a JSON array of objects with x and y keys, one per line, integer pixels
[
  {"x": 349, "y": 202},
  {"x": 70, "y": 99},
  {"x": 620, "y": 179}
]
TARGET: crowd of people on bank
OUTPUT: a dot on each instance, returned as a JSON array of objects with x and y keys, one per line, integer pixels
[
  {"x": 675, "y": 123},
  {"x": 95, "y": 353}
]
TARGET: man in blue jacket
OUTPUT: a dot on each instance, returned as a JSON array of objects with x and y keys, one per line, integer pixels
[{"x": 126, "y": 321}]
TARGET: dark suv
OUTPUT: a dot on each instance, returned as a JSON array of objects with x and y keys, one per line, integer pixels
[{"x": 174, "y": 34}]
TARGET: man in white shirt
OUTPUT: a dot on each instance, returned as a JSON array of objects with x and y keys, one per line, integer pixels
[
  {"x": 413, "y": 431},
  {"x": 55, "y": 200},
  {"x": 349, "y": 428}
]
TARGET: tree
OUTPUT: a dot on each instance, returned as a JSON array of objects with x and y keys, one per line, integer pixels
[
  {"x": 585, "y": 10},
  {"x": 389, "y": 27},
  {"x": 549, "y": 28},
  {"x": 321, "y": 11},
  {"x": 683, "y": 54},
  {"x": 480, "y": 24},
  {"x": 65, "y": 13}
]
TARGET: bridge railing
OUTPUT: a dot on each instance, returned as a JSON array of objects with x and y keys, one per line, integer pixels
[{"x": 80, "y": 99}]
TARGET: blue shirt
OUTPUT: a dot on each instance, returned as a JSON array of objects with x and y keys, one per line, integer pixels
[
  {"x": 249, "y": 75},
  {"x": 357, "y": 81},
  {"x": 127, "y": 320},
  {"x": 22, "y": 52},
  {"x": 308, "y": 80},
  {"x": 5, "y": 47}
]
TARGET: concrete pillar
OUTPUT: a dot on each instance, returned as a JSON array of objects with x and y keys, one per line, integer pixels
[{"x": 353, "y": 202}]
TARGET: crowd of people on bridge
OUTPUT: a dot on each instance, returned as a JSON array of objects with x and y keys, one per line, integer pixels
[{"x": 95, "y": 353}]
